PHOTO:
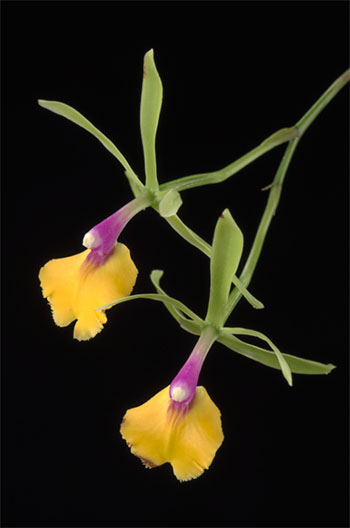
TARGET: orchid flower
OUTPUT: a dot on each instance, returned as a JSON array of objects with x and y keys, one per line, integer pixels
[
  {"x": 180, "y": 424},
  {"x": 75, "y": 286}
]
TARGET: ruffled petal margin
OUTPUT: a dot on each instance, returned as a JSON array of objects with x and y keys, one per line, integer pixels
[
  {"x": 158, "y": 432},
  {"x": 75, "y": 290}
]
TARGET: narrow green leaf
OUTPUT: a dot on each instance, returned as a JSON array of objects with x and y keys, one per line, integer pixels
[
  {"x": 73, "y": 115},
  {"x": 170, "y": 204},
  {"x": 189, "y": 325},
  {"x": 226, "y": 253},
  {"x": 283, "y": 363},
  {"x": 155, "y": 276},
  {"x": 297, "y": 365},
  {"x": 151, "y": 102}
]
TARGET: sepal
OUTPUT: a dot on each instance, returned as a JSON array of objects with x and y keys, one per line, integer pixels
[
  {"x": 253, "y": 333},
  {"x": 76, "y": 117},
  {"x": 268, "y": 358},
  {"x": 151, "y": 103},
  {"x": 226, "y": 253}
]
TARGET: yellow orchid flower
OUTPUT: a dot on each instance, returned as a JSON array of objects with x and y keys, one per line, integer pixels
[
  {"x": 76, "y": 286},
  {"x": 180, "y": 424}
]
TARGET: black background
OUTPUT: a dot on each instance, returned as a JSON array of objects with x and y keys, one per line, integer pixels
[{"x": 233, "y": 73}]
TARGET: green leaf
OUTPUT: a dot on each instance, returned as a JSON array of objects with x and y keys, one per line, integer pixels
[
  {"x": 283, "y": 363},
  {"x": 73, "y": 115},
  {"x": 226, "y": 253},
  {"x": 267, "y": 357},
  {"x": 170, "y": 204},
  {"x": 151, "y": 102}
]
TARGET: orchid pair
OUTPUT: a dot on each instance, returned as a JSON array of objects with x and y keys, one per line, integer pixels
[{"x": 180, "y": 424}]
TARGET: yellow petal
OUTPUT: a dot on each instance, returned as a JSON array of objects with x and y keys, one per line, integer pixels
[
  {"x": 75, "y": 290},
  {"x": 59, "y": 279},
  {"x": 188, "y": 441}
]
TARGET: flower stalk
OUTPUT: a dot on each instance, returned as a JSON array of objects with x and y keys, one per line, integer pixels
[
  {"x": 219, "y": 176},
  {"x": 276, "y": 188}
]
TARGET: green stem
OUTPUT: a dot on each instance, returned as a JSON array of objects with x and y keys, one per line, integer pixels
[
  {"x": 207, "y": 178},
  {"x": 270, "y": 209},
  {"x": 190, "y": 236},
  {"x": 304, "y": 123},
  {"x": 286, "y": 134},
  {"x": 276, "y": 188}
]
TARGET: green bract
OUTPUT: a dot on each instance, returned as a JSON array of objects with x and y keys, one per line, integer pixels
[{"x": 170, "y": 203}]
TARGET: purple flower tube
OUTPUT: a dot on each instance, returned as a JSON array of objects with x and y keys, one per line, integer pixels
[
  {"x": 183, "y": 387},
  {"x": 103, "y": 236}
]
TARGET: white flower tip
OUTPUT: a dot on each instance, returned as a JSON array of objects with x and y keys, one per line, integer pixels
[
  {"x": 89, "y": 240},
  {"x": 178, "y": 394}
]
